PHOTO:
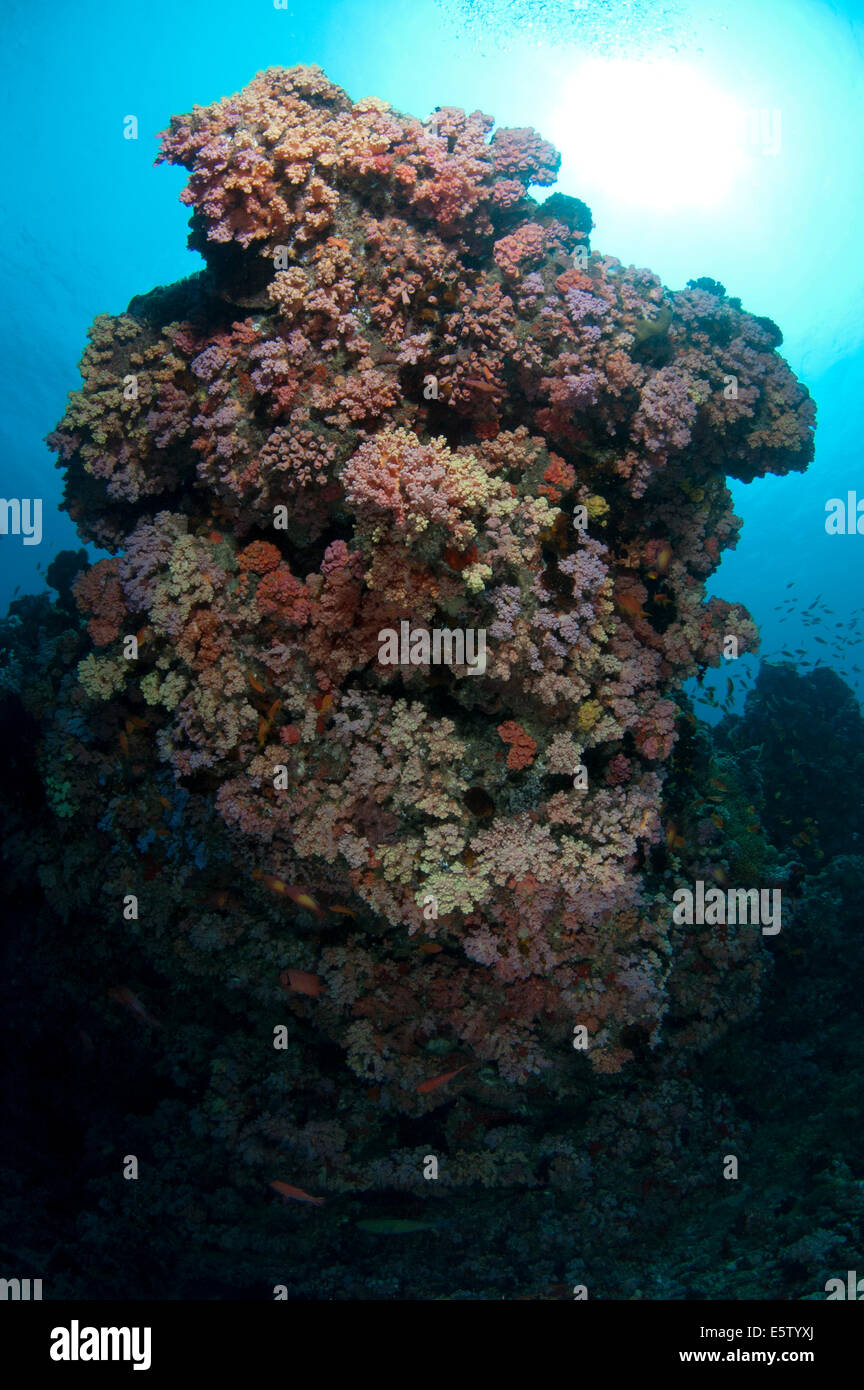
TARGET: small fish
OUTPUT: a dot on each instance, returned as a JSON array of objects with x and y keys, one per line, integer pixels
[
  {"x": 301, "y": 982},
  {"x": 123, "y": 740},
  {"x": 302, "y": 899},
  {"x": 322, "y": 703},
  {"x": 287, "y": 890},
  {"x": 256, "y": 684},
  {"x": 121, "y": 995},
  {"x": 664, "y": 558},
  {"x": 276, "y": 885},
  {"x": 673, "y": 839},
  {"x": 342, "y": 911},
  {"x": 628, "y": 605},
  {"x": 296, "y": 1193},
  {"x": 435, "y": 1081}
]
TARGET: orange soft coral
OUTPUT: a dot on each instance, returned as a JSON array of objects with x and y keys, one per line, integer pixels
[{"x": 523, "y": 748}]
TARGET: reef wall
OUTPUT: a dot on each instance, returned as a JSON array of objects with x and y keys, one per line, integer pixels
[{"x": 404, "y": 398}]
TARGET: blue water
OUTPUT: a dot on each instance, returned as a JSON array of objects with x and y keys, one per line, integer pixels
[{"x": 718, "y": 140}]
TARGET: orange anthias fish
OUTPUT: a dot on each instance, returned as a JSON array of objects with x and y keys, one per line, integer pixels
[
  {"x": 121, "y": 995},
  {"x": 323, "y": 703},
  {"x": 435, "y": 1081},
  {"x": 302, "y": 899},
  {"x": 302, "y": 982},
  {"x": 664, "y": 558},
  {"x": 629, "y": 606},
  {"x": 297, "y": 895},
  {"x": 673, "y": 839},
  {"x": 296, "y": 1193}
]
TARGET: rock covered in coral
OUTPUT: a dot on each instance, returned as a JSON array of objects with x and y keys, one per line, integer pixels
[
  {"x": 406, "y": 393},
  {"x": 801, "y": 739}
]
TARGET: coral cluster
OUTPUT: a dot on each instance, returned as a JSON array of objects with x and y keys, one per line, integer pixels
[
  {"x": 307, "y": 892},
  {"x": 403, "y": 390}
]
